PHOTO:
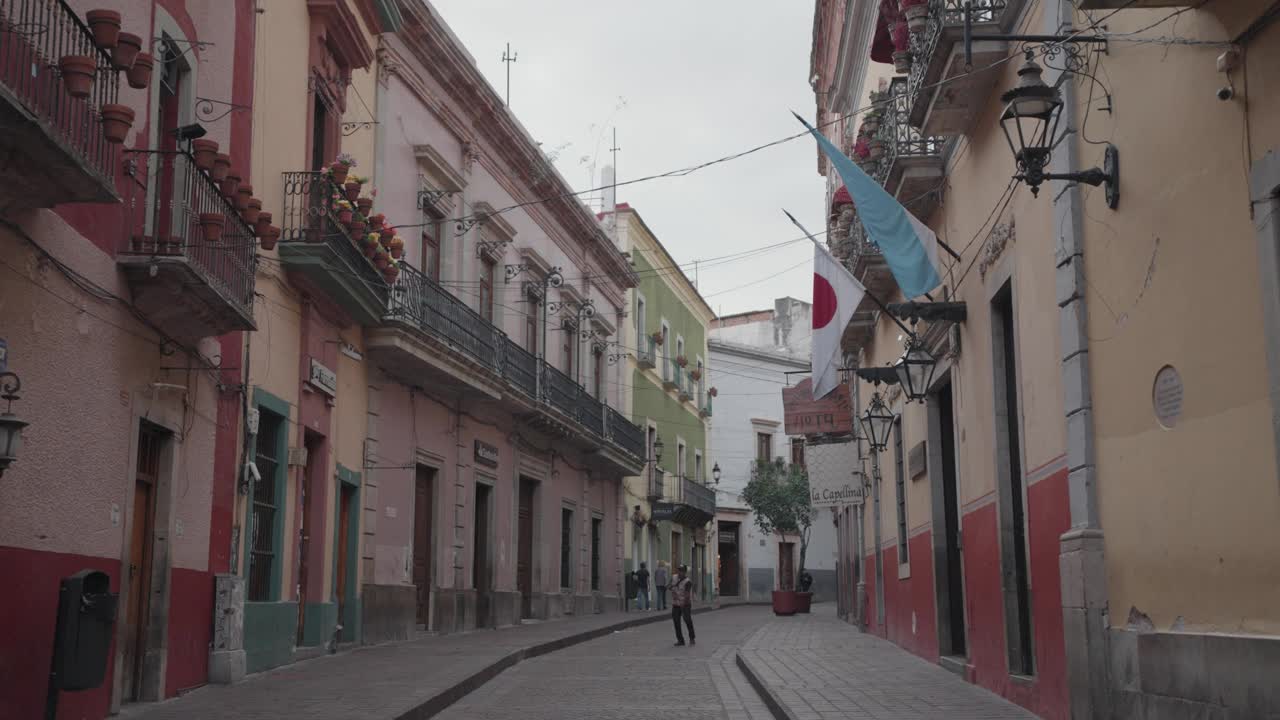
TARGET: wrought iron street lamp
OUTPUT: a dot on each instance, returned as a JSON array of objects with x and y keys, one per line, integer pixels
[
  {"x": 915, "y": 369},
  {"x": 1030, "y": 121},
  {"x": 10, "y": 425},
  {"x": 715, "y": 473},
  {"x": 877, "y": 421}
]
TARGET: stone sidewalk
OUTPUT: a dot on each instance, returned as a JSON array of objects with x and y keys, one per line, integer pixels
[
  {"x": 816, "y": 667},
  {"x": 408, "y": 680}
]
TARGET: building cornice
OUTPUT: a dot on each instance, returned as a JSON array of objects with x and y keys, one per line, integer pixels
[
  {"x": 342, "y": 32},
  {"x": 754, "y": 353}
]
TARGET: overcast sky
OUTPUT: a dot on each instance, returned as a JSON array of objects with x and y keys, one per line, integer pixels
[{"x": 683, "y": 82}]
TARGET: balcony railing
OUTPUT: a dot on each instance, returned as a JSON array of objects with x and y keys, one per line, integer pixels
[
  {"x": 704, "y": 406},
  {"x": 520, "y": 368},
  {"x": 623, "y": 432},
  {"x": 560, "y": 391},
  {"x": 165, "y": 199},
  {"x": 647, "y": 353},
  {"x": 695, "y": 503},
  {"x": 34, "y": 36},
  {"x": 418, "y": 299},
  {"x": 314, "y": 242}
]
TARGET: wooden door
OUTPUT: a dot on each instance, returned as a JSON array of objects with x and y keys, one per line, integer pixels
[
  {"x": 344, "y": 537},
  {"x": 310, "y": 523},
  {"x": 524, "y": 553},
  {"x": 141, "y": 552},
  {"x": 480, "y": 579},
  {"x": 786, "y": 566},
  {"x": 422, "y": 516}
]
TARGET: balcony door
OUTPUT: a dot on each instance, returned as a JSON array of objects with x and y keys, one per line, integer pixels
[{"x": 170, "y": 216}]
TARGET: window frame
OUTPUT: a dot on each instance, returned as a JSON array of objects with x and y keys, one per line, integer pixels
[
  {"x": 764, "y": 441},
  {"x": 900, "y": 492},
  {"x": 566, "y": 547},
  {"x": 488, "y": 270},
  {"x": 797, "y": 458},
  {"x": 271, "y": 436}
]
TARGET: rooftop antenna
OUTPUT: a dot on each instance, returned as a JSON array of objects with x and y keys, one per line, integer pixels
[
  {"x": 509, "y": 57},
  {"x": 614, "y": 150}
]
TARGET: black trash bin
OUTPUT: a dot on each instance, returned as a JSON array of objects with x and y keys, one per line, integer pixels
[{"x": 86, "y": 614}]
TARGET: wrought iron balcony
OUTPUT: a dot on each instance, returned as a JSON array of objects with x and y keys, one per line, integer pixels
[
  {"x": 704, "y": 408},
  {"x": 520, "y": 367},
  {"x": 670, "y": 372},
  {"x": 189, "y": 284},
  {"x": 647, "y": 353},
  {"x": 946, "y": 98},
  {"x": 624, "y": 433},
  {"x": 52, "y": 143},
  {"x": 685, "y": 383},
  {"x": 912, "y": 168},
  {"x": 316, "y": 246},
  {"x": 693, "y": 504}
]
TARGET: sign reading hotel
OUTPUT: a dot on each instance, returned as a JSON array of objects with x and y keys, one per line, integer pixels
[{"x": 806, "y": 416}]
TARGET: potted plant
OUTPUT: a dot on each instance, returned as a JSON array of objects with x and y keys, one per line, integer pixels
[
  {"x": 126, "y": 51},
  {"x": 252, "y": 211},
  {"x": 78, "y": 72},
  {"x": 917, "y": 14},
  {"x": 357, "y": 224},
  {"x": 269, "y": 237},
  {"x": 877, "y": 148},
  {"x": 105, "y": 26},
  {"x": 340, "y": 167},
  {"x": 221, "y": 166},
  {"x": 116, "y": 121},
  {"x": 263, "y": 224},
  {"x": 391, "y": 271},
  {"x": 778, "y": 495},
  {"x": 205, "y": 153},
  {"x": 230, "y": 184},
  {"x": 139, "y": 74},
  {"x": 682, "y": 361},
  {"x": 370, "y": 243},
  {"x": 695, "y": 374},
  {"x": 901, "y": 48},
  {"x": 380, "y": 258},
  {"x": 713, "y": 392},
  {"x": 352, "y": 187},
  {"x": 243, "y": 193},
  {"x": 212, "y": 224},
  {"x": 657, "y": 338},
  {"x": 365, "y": 204},
  {"x": 343, "y": 209},
  {"x": 396, "y": 247}
]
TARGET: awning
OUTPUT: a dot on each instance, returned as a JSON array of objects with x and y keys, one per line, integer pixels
[{"x": 882, "y": 43}]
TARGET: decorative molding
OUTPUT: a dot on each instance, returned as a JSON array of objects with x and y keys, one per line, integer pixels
[
  {"x": 437, "y": 170},
  {"x": 342, "y": 32},
  {"x": 999, "y": 238},
  {"x": 492, "y": 221}
]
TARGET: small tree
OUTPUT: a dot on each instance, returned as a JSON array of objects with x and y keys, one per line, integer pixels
[{"x": 778, "y": 495}]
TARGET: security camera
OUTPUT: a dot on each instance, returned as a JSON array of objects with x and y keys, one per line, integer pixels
[{"x": 1226, "y": 92}]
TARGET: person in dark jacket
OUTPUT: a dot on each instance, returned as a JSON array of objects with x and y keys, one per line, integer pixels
[
  {"x": 682, "y": 604},
  {"x": 660, "y": 580},
  {"x": 642, "y": 587}
]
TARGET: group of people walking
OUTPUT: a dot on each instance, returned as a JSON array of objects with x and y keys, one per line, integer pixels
[{"x": 681, "y": 587}]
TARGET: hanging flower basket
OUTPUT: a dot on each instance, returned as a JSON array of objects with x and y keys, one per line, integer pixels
[
  {"x": 657, "y": 338},
  {"x": 252, "y": 211},
  {"x": 682, "y": 361},
  {"x": 713, "y": 392},
  {"x": 352, "y": 190},
  {"x": 263, "y": 224},
  {"x": 396, "y": 246},
  {"x": 140, "y": 72},
  {"x": 391, "y": 272},
  {"x": 877, "y": 149},
  {"x": 365, "y": 204},
  {"x": 221, "y": 166},
  {"x": 78, "y": 72},
  {"x": 105, "y": 26},
  {"x": 902, "y": 61},
  {"x": 344, "y": 216},
  {"x": 380, "y": 258},
  {"x": 206, "y": 153},
  {"x": 125, "y": 51},
  {"x": 695, "y": 374},
  {"x": 916, "y": 13},
  {"x": 269, "y": 237},
  {"x": 230, "y": 184},
  {"x": 116, "y": 121},
  {"x": 212, "y": 224},
  {"x": 243, "y": 194}
]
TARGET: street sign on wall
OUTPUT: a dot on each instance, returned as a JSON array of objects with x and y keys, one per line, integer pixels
[
  {"x": 835, "y": 475},
  {"x": 805, "y": 416}
]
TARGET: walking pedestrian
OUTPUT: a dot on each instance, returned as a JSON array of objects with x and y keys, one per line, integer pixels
[
  {"x": 660, "y": 582},
  {"x": 682, "y": 604},
  {"x": 642, "y": 586}
]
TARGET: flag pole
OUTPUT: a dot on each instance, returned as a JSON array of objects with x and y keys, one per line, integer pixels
[{"x": 869, "y": 294}]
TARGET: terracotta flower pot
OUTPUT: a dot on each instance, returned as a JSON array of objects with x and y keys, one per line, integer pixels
[
  {"x": 381, "y": 260},
  {"x": 116, "y": 121},
  {"x": 917, "y": 17},
  {"x": 212, "y": 224},
  {"x": 871, "y": 126},
  {"x": 356, "y": 227},
  {"x": 340, "y": 171},
  {"x": 221, "y": 166},
  {"x": 252, "y": 211},
  {"x": 205, "y": 152},
  {"x": 365, "y": 205},
  {"x": 243, "y": 193},
  {"x": 78, "y": 72},
  {"x": 902, "y": 61},
  {"x": 270, "y": 237},
  {"x": 397, "y": 253},
  {"x": 126, "y": 51},
  {"x": 785, "y": 602},
  {"x": 140, "y": 72},
  {"x": 105, "y": 26},
  {"x": 396, "y": 246},
  {"x": 803, "y": 602},
  {"x": 263, "y": 224},
  {"x": 877, "y": 149},
  {"x": 352, "y": 190},
  {"x": 344, "y": 217},
  {"x": 230, "y": 184},
  {"x": 390, "y": 273}
]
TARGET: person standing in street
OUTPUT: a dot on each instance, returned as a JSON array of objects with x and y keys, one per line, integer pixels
[
  {"x": 660, "y": 583},
  {"x": 642, "y": 587},
  {"x": 682, "y": 604}
]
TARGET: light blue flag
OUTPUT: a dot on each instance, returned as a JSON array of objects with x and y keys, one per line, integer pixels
[{"x": 909, "y": 247}]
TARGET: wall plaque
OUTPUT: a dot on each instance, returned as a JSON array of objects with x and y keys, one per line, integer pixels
[
  {"x": 1166, "y": 396},
  {"x": 486, "y": 454}
]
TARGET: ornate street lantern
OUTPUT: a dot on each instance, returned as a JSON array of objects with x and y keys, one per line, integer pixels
[
  {"x": 657, "y": 449},
  {"x": 877, "y": 422},
  {"x": 10, "y": 425},
  {"x": 715, "y": 473},
  {"x": 915, "y": 369},
  {"x": 1030, "y": 122}
]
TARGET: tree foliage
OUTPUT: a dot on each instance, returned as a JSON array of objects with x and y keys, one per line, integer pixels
[{"x": 778, "y": 495}]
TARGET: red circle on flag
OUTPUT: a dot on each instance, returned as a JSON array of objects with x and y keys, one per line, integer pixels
[{"x": 824, "y": 301}]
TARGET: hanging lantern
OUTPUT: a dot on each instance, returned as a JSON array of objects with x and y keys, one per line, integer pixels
[
  {"x": 877, "y": 422},
  {"x": 915, "y": 370},
  {"x": 10, "y": 425}
]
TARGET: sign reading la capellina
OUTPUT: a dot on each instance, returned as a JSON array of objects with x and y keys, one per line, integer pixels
[
  {"x": 845, "y": 494},
  {"x": 486, "y": 454}
]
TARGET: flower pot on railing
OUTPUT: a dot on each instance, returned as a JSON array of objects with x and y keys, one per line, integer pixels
[
  {"x": 212, "y": 224},
  {"x": 390, "y": 273},
  {"x": 877, "y": 149},
  {"x": 365, "y": 204},
  {"x": 396, "y": 247},
  {"x": 269, "y": 237},
  {"x": 243, "y": 194},
  {"x": 105, "y": 26},
  {"x": 356, "y": 226},
  {"x": 380, "y": 258},
  {"x": 369, "y": 245},
  {"x": 902, "y": 61},
  {"x": 125, "y": 51},
  {"x": 263, "y": 224},
  {"x": 205, "y": 152},
  {"x": 339, "y": 171},
  {"x": 140, "y": 72},
  {"x": 352, "y": 191},
  {"x": 116, "y": 121},
  {"x": 917, "y": 14},
  {"x": 252, "y": 211},
  {"x": 78, "y": 72},
  {"x": 230, "y": 185},
  {"x": 344, "y": 216},
  {"x": 221, "y": 166}
]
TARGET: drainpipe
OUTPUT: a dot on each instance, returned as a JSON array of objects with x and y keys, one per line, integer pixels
[{"x": 1081, "y": 560}]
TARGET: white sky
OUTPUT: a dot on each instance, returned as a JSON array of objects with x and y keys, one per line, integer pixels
[{"x": 684, "y": 82}]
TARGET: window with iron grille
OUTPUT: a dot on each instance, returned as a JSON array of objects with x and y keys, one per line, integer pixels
[
  {"x": 266, "y": 508},
  {"x": 597, "y": 529},
  {"x": 797, "y": 451},
  {"x": 900, "y": 489},
  {"x": 566, "y": 548}
]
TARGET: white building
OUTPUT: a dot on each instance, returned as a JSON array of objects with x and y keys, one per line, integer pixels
[{"x": 754, "y": 353}]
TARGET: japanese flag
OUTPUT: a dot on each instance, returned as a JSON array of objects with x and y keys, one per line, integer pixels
[{"x": 836, "y": 295}]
